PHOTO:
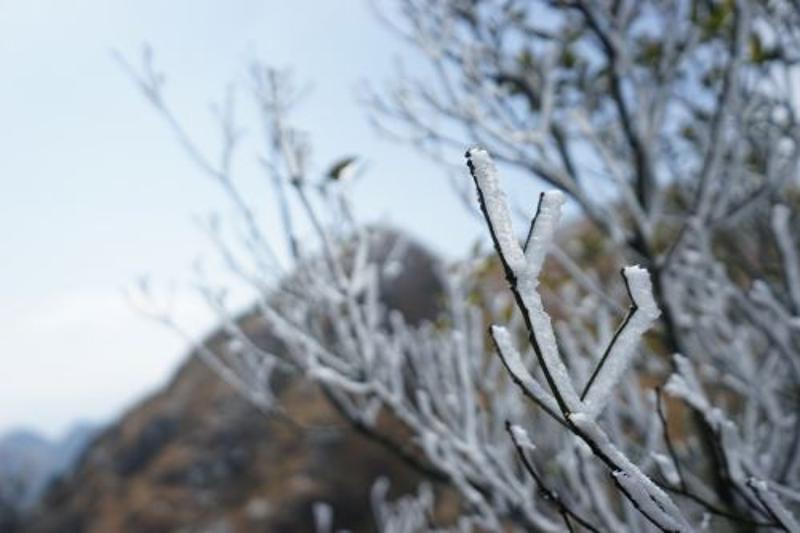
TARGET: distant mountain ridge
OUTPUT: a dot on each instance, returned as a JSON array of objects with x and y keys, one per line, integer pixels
[{"x": 29, "y": 462}]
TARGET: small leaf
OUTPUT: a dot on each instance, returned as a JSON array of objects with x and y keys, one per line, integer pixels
[
  {"x": 526, "y": 60},
  {"x": 568, "y": 58},
  {"x": 650, "y": 53},
  {"x": 341, "y": 168}
]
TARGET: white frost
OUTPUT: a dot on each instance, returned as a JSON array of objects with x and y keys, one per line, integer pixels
[
  {"x": 522, "y": 438},
  {"x": 542, "y": 230},
  {"x": 517, "y": 369},
  {"x": 639, "y": 487},
  {"x": 494, "y": 199},
  {"x": 620, "y": 355}
]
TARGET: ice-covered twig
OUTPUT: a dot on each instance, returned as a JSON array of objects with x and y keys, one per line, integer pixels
[
  {"x": 494, "y": 204},
  {"x": 780, "y": 226},
  {"x": 522, "y": 269},
  {"x": 523, "y": 444},
  {"x": 685, "y": 384},
  {"x": 774, "y": 506},
  {"x": 542, "y": 229},
  {"x": 621, "y": 351},
  {"x": 646, "y": 496},
  {"x": 521, "y": 376}
]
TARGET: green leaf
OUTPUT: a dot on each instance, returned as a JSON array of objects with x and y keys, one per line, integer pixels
[
  {"x": 526, "y": 59},
  {"x": 568, "y": 58},
  {"x": 650, "y": 53}
]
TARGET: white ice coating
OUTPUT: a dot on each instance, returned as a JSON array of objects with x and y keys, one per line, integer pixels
[
  {"x": 542, "y": 328},
  {"x": 522, "y": 438},
  {"x": 641, "y": 498},
  {"x": 685, "y": 385},
  {"x": 776, "y": 507},
  {"x": 496, "y": 205},
  {"x": 783, "y": 234},
  {"x": 542, "y": 231},
  {"x": 539, "y": 240},
  {"x": 667, "y": 467},
  {"x": 638, "y": 486},
  {"x": 525, "y": 267},
  {"x": 621, "y": 355},
  {"x": 517, "y": 368},
  {"x": 641, "y": 289}
]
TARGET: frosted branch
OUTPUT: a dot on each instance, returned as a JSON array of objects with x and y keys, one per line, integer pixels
[{"x": 620, "y": 353}]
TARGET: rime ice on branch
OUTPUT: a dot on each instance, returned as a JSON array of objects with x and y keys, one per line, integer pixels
[
  {"x": 578, "y": 417},
  {"x": 619, "y": 355},
  {"x": 522, "y": 271}
]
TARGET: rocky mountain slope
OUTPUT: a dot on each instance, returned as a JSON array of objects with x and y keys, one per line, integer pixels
[{"x": 197, "y": 457}]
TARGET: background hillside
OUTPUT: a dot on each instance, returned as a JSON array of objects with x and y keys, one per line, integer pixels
[{"x": 196, "y": 456}]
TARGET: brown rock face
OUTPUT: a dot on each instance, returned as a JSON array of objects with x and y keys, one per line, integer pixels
[{"x": 197, "y": 457}]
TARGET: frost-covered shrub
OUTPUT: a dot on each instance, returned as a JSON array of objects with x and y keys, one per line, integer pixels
[{"x": 671, "y": 126}]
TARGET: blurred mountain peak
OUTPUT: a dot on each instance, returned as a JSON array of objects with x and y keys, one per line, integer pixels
[{"x": 30, "y": 461}]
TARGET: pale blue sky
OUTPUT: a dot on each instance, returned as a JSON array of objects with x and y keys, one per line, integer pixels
[{"x": 95, "y": 192}]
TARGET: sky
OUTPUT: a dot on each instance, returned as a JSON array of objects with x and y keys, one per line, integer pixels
[{"x": 95, "y": 192}]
